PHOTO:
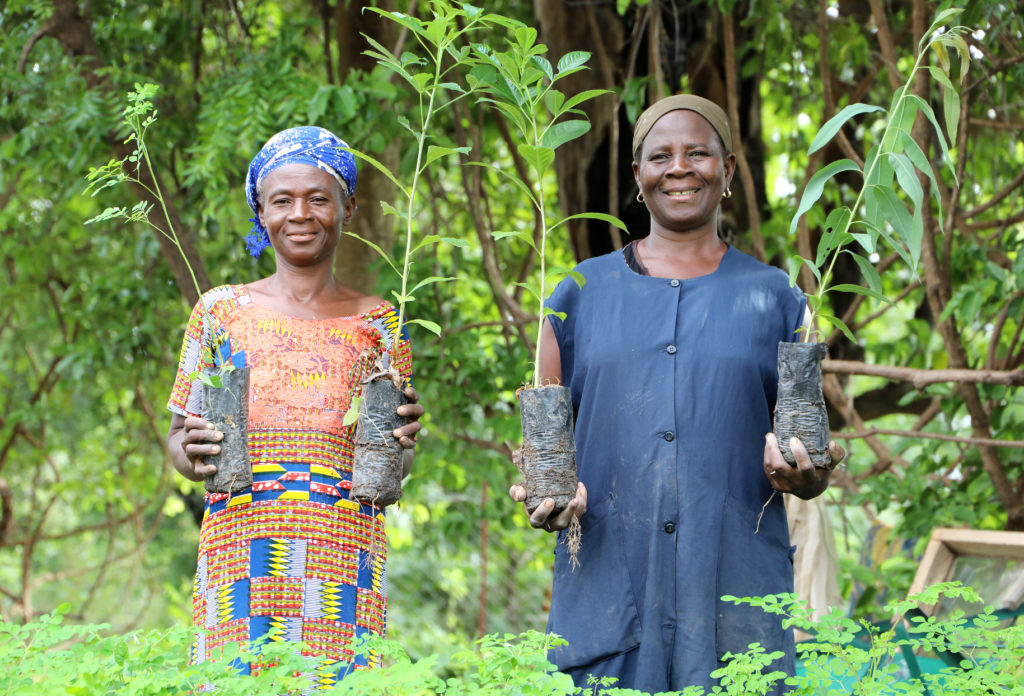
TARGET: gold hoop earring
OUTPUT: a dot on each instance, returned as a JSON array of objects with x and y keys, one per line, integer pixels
[
  {"x": 727, "y": 193},
  {"x": 640, "y": 197}
]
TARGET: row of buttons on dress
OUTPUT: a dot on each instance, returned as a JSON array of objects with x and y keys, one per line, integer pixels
[{"x": 669, "y": 436}]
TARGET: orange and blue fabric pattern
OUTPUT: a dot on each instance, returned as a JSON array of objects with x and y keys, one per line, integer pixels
[{"x": 292, "y": 557}]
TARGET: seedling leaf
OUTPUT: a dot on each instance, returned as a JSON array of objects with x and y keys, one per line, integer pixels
[
  {"x": 816, "y": 186},
  {"x": 604, "y": 217},
  {"x": 832, "y": 126},
  {"x": 430, "y": 326}
]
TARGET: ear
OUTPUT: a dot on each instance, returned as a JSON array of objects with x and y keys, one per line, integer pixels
[
  {"x": 350, "y": 210},
  {"x": 636, "y": 174},
  {"x": 259, "y": 213},
  {"x": 730, "y": 167}
]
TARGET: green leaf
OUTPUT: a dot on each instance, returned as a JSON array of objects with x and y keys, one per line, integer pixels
[
  {"x": 832, "y": 126},
  {"x": 392, "y": 210},
  {"x": 577, "y": 99},
  {"x": 564, "y": 131},
  {"x": 430, "y": 281},
  {"x": 548, "y": 311},
  {"x": 816, "y": 186},
  {"x": 839, "y": 324},
  {"x": 835, "y": 235},
  {"x": 434, "y": 152},
  {"x": 860, "y": 290},
  {"x": 376, "y": 248},
  {"x": 529, "y": 288},
  {"x": 430, "y": 326},
  {"x": 352, "y": 415},
  {"x": 515, "y": 180},
  {"x": 906, "y": 175},
  {"x": 604, "y": 217},
  {"x": 554, "y": 100},
  {"x": 926, "y": 109},
  {"x": 545, "y": 66},
  {"x": 868, "y": 271},
  {"x": 794, "y": 269},
  {"x": 943, "y": 17},
  {"x": 521, "y": 235},
  {"x": 572, "y": 61},
  {"x": 108, "y": 214},
  {"x": 379, "y": 167},
  {"x": 538, "y": 157}
]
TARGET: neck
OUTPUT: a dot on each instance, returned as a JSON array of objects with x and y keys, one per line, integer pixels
[
  {"x": 303, "y": 284},
  {"x": 682, "y": 245}
]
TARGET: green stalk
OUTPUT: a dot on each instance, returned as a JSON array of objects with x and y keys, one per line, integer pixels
[
  {"x": 541, "y": 208},
  {"x": 827, "y": 276},
  {"x": 407, "y": 261},
  {"x": 173, "y": 236}
]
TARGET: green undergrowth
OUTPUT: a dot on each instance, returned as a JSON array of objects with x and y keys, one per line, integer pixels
[{"x": 50, "y": 656}]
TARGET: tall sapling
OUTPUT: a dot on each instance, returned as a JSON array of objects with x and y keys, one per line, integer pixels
[
  {"x": 879, "y": 213},
  {"x": 225, "y": 387}
]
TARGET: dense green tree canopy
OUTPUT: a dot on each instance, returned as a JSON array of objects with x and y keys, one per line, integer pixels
[{"x": 927, "y": 397}]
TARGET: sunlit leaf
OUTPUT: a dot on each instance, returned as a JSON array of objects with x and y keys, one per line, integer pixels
[
  {"x": 832, "y": 126},
  {"x": 564, "y": 131},
  {"x": 430, "y": 326},
  {"x": 816, "y": 186}
]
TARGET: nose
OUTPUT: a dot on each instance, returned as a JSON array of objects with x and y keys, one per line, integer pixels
[
  {"x": 300, "y": 209},
  {"x": 678, "y": 166}
]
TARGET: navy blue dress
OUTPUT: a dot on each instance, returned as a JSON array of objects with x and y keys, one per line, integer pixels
[{"x": 674, "y": 384}]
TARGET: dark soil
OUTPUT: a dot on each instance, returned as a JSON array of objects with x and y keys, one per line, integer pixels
[
  {"x": 800, "y": 407},
  {"x": 549, "y": 450},
  {"x": 227, "y": 407},
  {"x": 377, "y": 462}
]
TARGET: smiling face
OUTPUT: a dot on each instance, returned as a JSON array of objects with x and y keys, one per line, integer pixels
[
  {"x": 303, "y": 209},
  {"x": 682, "y": 171}
]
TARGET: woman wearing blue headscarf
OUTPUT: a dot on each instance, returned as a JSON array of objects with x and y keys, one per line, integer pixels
[{"x": 292, "y": 554}]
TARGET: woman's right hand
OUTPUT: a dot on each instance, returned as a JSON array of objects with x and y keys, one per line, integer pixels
[
  {"x": 541, "y": 517},
  {"x": 199, "y": 439}
]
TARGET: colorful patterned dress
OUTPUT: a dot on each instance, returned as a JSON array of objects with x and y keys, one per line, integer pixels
[{"x": 292, "y": 554}]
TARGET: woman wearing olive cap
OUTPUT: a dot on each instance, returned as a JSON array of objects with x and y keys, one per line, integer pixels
[{"x": 670, "y": 352}]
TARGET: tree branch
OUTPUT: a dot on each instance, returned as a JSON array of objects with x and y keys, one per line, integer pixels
[
  {"x": 975, "y": 441},
  {"x": 922, "y": 378}
]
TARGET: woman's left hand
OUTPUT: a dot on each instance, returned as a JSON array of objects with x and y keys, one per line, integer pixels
[
  {"x": 406, "y": 435},
  {"x": 803, "y": 480}
]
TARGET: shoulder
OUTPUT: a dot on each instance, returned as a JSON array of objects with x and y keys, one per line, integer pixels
[
  {"x": 223, "y": 299},
  {"x": 599, "y": 269},
  {"x": 377, "y": 308}
]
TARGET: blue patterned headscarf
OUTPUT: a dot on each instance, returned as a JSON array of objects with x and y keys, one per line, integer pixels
[{"x": 310, "y": 145}]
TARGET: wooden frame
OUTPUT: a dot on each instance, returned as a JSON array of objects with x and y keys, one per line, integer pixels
[{"x": 946, "y": 545}]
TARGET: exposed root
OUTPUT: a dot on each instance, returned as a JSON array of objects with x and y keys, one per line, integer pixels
[
  {"x": 572, "y": 539},
  {"x": 763, "y": 508}
]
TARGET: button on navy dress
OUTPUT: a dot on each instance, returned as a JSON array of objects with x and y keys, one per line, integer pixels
[{"x": 674, "y": 385}]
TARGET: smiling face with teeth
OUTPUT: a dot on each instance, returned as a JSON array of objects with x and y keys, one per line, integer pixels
[{"x": 682, "y": 170}]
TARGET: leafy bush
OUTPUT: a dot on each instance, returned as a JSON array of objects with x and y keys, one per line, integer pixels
[{"x": 846, "y": 656}]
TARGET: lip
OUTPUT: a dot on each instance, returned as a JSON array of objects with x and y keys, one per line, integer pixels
[
  {"x": 682, "y": 193},
  {"x": 300, "y": 236}
]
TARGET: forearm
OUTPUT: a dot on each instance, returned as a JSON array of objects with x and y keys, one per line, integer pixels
[{"x": 408, "y": 456}]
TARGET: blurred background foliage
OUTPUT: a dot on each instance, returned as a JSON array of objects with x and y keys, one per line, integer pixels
[{"x": 91, "y": 317}]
